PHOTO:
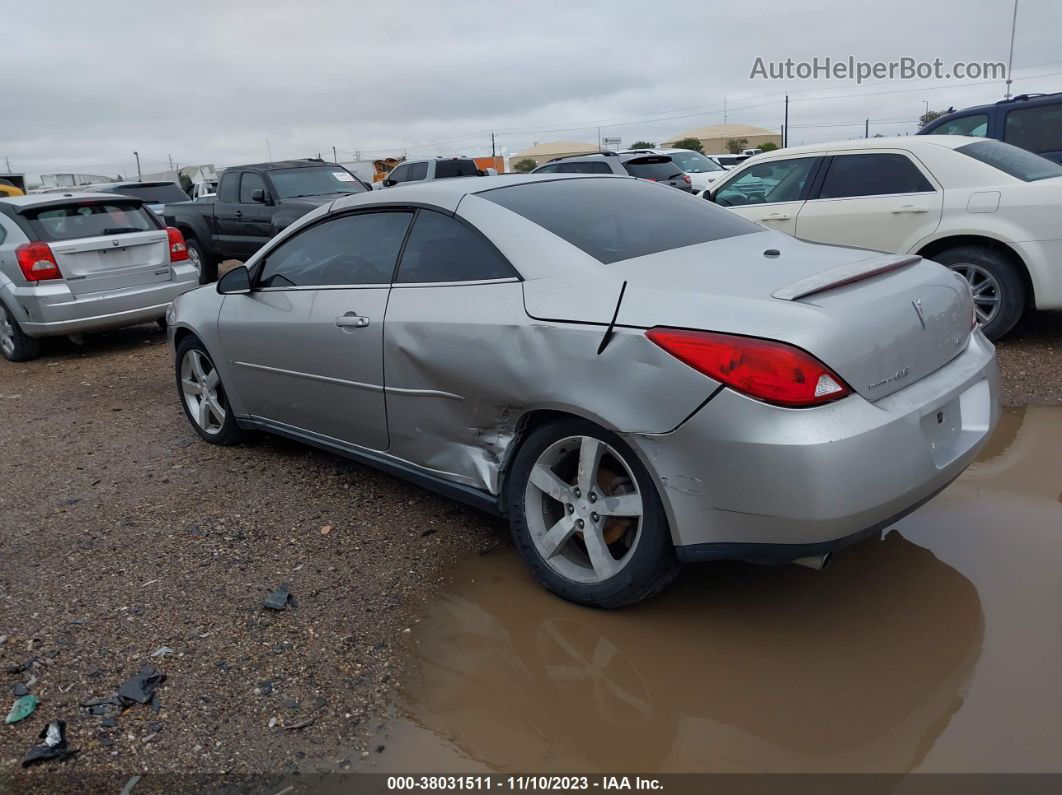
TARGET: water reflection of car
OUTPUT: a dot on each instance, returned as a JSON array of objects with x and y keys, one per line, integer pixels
[
  {"x": 634, "y": 378},
  {"x": 860, "y": 669}
]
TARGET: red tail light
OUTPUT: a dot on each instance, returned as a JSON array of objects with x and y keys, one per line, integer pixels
[
  {"x": 178, "y": 250},
  {"x": 766, "y": 370},
  {"x": 37, "y": 262},
  {"x": 686, "y": 179}
]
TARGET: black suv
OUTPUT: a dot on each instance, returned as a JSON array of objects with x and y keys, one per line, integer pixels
[
  {"x": 655, "y": 168},
  {"x": 1031, "y": 121}
]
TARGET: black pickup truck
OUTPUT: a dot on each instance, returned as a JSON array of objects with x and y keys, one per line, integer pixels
[{"x": 253, "y": 203}]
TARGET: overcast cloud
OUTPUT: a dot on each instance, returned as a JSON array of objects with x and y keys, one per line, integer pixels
[{"x": 87, "y": 83}]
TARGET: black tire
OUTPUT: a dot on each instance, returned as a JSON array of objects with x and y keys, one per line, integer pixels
[
  {"x": 1009, "y": 290},
  {"x": 15, "y": 344},
  {"x": 227, "y": 432},
  {"x": 652, "y": 564},
  {"x": 208, "y": 266}
]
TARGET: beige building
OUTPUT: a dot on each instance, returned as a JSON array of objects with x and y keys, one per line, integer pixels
[
  {"x": 713, "y": 138},
  {"x": 543, "y": 153}
]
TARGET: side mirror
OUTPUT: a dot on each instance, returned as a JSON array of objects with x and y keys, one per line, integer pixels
[
  {"x": 235, "y": 282},
  {"x": 258, "y": 195},
  {"x": 387, "y": 183},
  {"x": 480, "y": 172}
]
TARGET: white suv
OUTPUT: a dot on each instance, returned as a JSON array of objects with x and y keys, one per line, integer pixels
[
  {"x": 987, "y": 210},
  {"x": 438, "y": 168}
]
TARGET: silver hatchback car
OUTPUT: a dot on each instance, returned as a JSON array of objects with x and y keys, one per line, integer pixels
[
  {"x": 634, "y": 379},
  {"x": 77, "y": 262}
]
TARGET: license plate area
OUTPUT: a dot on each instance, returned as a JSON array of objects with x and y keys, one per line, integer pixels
[{"x": 954, "y": 427}]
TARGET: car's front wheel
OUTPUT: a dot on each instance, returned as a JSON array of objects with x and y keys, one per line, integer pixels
[
  {"x": 586, "y": 516},
  {"x": 203, "y": 397},
  {"x": 997, "y": 286},
  {"x": 15, "y": 344}
]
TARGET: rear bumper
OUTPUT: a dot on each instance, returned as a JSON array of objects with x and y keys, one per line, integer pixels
[
  {"x": 47, "y": 310},
  {"x": 741, "y": 479}
]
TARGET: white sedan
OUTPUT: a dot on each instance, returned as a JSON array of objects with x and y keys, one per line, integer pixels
[{"x": 986, "y": 209}]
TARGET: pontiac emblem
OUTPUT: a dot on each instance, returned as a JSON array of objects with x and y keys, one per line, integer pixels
[
  {"x": 115, "y": 243},
  {"x": 917, "y": 304}
]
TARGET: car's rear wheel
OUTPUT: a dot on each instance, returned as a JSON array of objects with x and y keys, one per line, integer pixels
[
  {"x": 15, "y": 344},
  {"x": 205, "y": 264},
  {"x": 587, "y": 518},
  {"x": 997, "y": 286},
  {"x": 203, "y": 395}
]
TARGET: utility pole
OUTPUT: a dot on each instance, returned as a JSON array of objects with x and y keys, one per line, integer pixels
[
  {"x": 170, "y": 157},
  {"x": 269, "y": 150},
  {"x": 724, "y": 110},
  {"x": 785, "y": 137},
  {"x": 493, "y": 152},
  {"x": 138, "y": 175},
  {"x": 7, "y": 163},
  {"x": 1010, "y": 58},
  {"x": 335, "y": 157},
  {"x": 599, "y": 139},
  {"x": 866, "y": 129}
]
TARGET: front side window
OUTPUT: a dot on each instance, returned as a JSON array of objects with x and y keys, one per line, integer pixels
[
  {"x": 974, "y": 124},
  {"x": 351, "y": 249},
  {"x": 767, "y": 183},
  {"x": 418, "y": 171},
  {"x": 618, "y": 219},
  {"x": 291, "y": 183},
  {"x": 550, "y": 169},
  {"x": 1020, "y": 163},
  {"x": 249, "y": 183},
  {"x": 400, "y": 173},
  {"x": 872, "y": 175},
  {"x": 1036, "y": 129},
  {"x": 454, "y": 168},
  {"x": 75, "y": 221},
  {"x": 442, "y": 249}
]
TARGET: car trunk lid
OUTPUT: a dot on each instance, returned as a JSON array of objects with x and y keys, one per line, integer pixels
[{"x": 95, "y": 264}]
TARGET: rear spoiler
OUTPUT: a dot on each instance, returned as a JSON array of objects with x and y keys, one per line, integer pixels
[
  {"x": 842, "y": 275},
  {"x": 63, "y": 199}
]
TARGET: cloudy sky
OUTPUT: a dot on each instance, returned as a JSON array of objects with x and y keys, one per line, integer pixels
[{"x": 87, "y": 83}]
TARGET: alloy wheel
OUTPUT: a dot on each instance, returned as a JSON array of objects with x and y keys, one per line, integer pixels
[
  {"x": 583, "y": 508},
  {"x": 7, "y": 332},
  {"x": 195, "y": 259},
  {"x": 985, "y": 288},
  {"x": 203, "y": 395}
]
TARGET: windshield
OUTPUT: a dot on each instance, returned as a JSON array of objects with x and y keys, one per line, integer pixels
[
  {"x": 618, "y": 219},
  {"x": 694, "y": 162},
  {"x": 291, "y": 183},
  {"x": 90, "y": 219},
  {"x": 159, "y": 193},
  {"x": 1011, "y": 160}
]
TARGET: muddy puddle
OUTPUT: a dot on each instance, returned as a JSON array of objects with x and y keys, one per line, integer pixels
[{"x": 937, "y": 648}]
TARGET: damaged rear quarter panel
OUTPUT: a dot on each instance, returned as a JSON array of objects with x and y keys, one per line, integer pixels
[{"x": 464, "y": 364}]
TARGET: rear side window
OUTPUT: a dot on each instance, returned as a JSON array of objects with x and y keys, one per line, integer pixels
[
  {"x": 351, "y": 249},
  {"x": 1019, "y": 163},
  {"x": 654, "y": 167},
  {"x": 617, "y": 219},
  {"x": 974, "y": 124},
  {"x": 454, "y": 168},
  {"x": 98, "y": 219},
  {"x": 584, "y": 167},
  {"x": 442, "y": 249},
  {"x": 418, "y": 171},
  {"x": 250, "y": 182},
  {"x": 872, "y": 175},
  {"x": 1036, "y": 129},
  {"x": 227, "y": 190}
]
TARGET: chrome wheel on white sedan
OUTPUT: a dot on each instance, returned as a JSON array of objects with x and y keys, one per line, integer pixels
[
  {"x": 586, "y": 516},
  {"x": 996, "y": 284},
  {"x": 985, "y": 290}
]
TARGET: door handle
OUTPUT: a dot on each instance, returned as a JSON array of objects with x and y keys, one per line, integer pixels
[
  {"x": 352, "y": 320},
  {"x": 909, "y": 208},
  {"x": 239, "y": 213},
  {"x": 776, "y": 217}
]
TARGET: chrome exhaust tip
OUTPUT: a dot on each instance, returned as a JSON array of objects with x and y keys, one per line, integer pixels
[{"x": 817, "y": 562}]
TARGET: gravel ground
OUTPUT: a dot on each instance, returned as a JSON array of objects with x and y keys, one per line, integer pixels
[{"x": 123, "y": 533}]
